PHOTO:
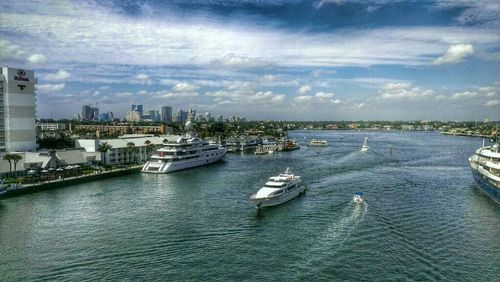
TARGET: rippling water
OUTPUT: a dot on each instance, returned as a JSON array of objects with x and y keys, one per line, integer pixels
[{"x": 422, "y": 219}]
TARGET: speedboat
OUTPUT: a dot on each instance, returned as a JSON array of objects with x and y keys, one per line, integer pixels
[
  {"x": 358, "y": 197},
  {"x": 365, "y": 145},
  {"x": 278, "y": 190}
]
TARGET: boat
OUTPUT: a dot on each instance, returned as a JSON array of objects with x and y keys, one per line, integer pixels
[
  {"x": 260, "y": 150},
  {"x": 365, "y": 145},
  {"x": 358, "y": 197},
  {"x": 317, "y": 143},
  {"x": 485, "y": 167},
  {"x": 278, "y": 190},
  {"x": 186, "y": 152},
  {"x": 4, "y": 188}
]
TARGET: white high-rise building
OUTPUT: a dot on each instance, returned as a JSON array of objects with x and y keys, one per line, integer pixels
[{"x": 17, "y": 110}]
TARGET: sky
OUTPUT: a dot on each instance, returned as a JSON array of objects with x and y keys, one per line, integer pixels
[{"x": 262, "y": 59}]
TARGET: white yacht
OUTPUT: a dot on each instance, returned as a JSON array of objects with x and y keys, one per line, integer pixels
[
  {"x": 485, "y": 167},
  {"x": 278, "y": 189},
  {"x": 187, "y": 152},
  {"x": 358, "y": 197},
  {"x": 365, "y": 145},
  {"x": 317, "y": 143}
]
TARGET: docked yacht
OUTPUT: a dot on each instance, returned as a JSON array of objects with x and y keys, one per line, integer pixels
[
  {"x": 485, "y": 167},
  {"x": 358, "y": 197},
  {"x": 365, "y": 147},
  {"x": 278, "y": 189},
  {"x": 187, "y": 152},
  {"x": 317, "y": 143}
]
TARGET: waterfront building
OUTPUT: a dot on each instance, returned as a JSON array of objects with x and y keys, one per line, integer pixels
[
  {"x": 118, "y": 153},
  {"x": 166, "y": 114},
  {"x": 50, "y": 126},
  {"x": 17, "y": 110},
  {"x": 48, "y": 160}
]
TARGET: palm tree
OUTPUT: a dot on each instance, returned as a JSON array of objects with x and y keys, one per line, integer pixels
[
  {"x": 149, "y": 147},
  {"x": 131, "y": 149},
  {"x": 10, "y": 158},
  {"x": 103, "y": 148}
]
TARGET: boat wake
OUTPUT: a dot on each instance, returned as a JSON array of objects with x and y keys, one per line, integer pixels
[{"x": 331, "y": 240}]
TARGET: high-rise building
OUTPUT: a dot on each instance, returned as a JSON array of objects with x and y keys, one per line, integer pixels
[
  {"x": 154, "y": 115},
  {"x": 104, "y": 117},
  {"x": 17, "y": 110},
  {"x": 166, "y": 114},
  {"x": 133, "y": 116},
  {"x": 182, "y": 116},
  {"x": 90, "y": 113},
  {"x": 137, "y": 108}
]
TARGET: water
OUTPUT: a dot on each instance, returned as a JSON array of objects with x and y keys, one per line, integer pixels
[{"x": 422, "y": 219}]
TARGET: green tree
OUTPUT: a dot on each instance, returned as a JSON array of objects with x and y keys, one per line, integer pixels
[
  {"x": 131, "y": 149},
  {"x": 103, "y": 148},
  {"x": 149, "y": 147}
]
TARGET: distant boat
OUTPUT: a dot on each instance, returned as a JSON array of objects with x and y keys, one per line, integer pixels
[
  {"x": 260, "y": 150},
  {"x": 317, "y": 143},
  {"x": 3, "y": 188},
  {"x": 358, "y": 197},
  {"x": 365, "y": 145},
  {"x": 278, "y": 189}
]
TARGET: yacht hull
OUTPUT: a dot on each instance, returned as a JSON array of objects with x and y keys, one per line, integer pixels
[
  {"x": 273, "y": 201},
  {"x": 484, "y": 186},
  {"x": 159, "y": 167}
]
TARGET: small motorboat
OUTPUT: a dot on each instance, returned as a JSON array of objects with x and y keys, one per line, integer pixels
[
  {"x": 358, "y": 197},
  {"x": 365, "y": 145}
]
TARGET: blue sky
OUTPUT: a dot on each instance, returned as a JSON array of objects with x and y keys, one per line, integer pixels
[{"x": 287, "y": 60}]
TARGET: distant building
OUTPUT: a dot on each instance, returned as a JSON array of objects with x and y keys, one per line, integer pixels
[
  {"x": 166, "y": 114},
  {"x": 104, "y": 117},
  {"x": 122, "y": 129},
  {"x": 17, "y": 110},
  {"x": 137, "y": 108},
  {"x": 133, "y": 116},
  {"x": 51, "y": 126},
  {"x": 219, "y": 118},
  {"x": 182, "y": 115},
  {"x": 154, "y": 115},
  {"x": 90, "y": 113}
]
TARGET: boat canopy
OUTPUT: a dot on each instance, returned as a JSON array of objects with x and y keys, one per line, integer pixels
[{"x": 359, "y": 193}]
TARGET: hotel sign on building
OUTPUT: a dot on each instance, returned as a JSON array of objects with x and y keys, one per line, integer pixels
[{"x": 17, "y": 100}]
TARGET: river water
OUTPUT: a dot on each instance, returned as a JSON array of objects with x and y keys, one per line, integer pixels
[{"x": 422, "y": 219}]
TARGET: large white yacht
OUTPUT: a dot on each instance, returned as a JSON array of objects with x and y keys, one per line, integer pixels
[
  {"x": 485, "y": 167},
  {"x": 278, "y": 189},
  {"x": 187, "y": 152}
]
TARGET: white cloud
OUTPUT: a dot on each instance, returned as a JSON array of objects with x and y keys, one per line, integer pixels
[
  {"x": 492, "y": 103},
  {"x": 455, "y": 54},
  {"x": 10, "y": 51},
  {"x": 233, "y": 60},
  {"x": 59, "y": 75},
  {"x": 142, "y": 79},
  {"x": 303, "y": 98},
  {"x": 184, "y": 87},
  {"x": 304, "y": 89},
  {"x": 324, "y": 95},
  {"x": 47, "y": 88},
  {"x": 36, "y": 58},
  {"x": 403, "y": 90},
  {"x": 244, "y": 98}
]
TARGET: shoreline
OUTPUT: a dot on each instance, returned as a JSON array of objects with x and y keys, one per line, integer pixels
[{"x": 59, "y": 183}]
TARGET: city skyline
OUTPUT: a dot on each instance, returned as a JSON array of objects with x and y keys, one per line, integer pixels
[{"x": 286, "y": 60}]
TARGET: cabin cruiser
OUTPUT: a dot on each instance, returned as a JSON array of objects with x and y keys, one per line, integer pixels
[
  {"x": 365, "y": 145},
  {"x": 358, "y": 197},
  {"x": 187, "y": 152},
  {"x": 485, "y": 167},
  {"x": 317, "y": 143},
  {"x": 278, "y": 189}
]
